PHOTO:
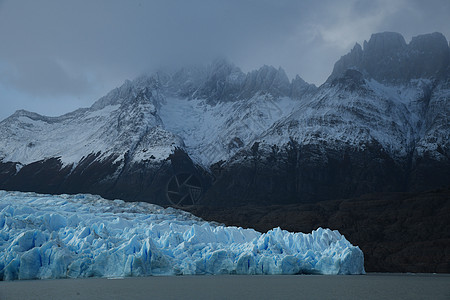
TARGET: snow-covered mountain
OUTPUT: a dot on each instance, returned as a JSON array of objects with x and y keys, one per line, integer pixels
[
  {"x": 149, "y": 117},
  {"x": 379, "y": 123},
  {"x": 364, "y": 130},
  {"x": 108, "y": 129}
]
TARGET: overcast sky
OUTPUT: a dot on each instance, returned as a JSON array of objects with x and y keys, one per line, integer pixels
[{"x": 56, "y": 56}]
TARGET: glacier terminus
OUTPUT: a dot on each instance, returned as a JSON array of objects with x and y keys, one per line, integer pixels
[{"x": 45, "y": 236}]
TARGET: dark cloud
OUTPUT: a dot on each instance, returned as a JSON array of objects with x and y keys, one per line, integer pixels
[
  {"x": 45, "y": 76},
  {"x": 81, "y": 49}
]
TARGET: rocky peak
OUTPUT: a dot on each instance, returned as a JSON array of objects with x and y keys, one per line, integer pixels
[
  {"x": 139, "y": 110},
  {"x": 186, "y": 81},
  {"x": 387, "y": 58},
  {"x": 383, "y": 57},
  {"x": 431, "y": 55},
  {"x": 266, "y": 79},
  {"x": 226, "y": 82},
  {"x": 280, "y": 81},
  {"x": 221, "y": 68},
  {"x": 348, "y": 61},
  {"x": 22, "y": 113},
  {"x": 130, "y": 91},
  {"x": 432, "y": 43},
  {"x": 299, "y": 88},
  {"x": 26, "y": 113},
  {"x": 217, "y": 82},
  {"x": 116, "y": 96},
  {"x": 223, "y": 82},
  {"x": 384, "y": 44}
]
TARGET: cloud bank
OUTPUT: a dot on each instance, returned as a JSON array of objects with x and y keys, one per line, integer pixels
[{"x": 56, "y": 56}]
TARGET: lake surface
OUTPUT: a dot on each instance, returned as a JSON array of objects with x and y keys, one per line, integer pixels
[{"x": 370, "y": 286}]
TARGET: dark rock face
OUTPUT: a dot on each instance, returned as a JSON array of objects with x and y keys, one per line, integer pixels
[
  {"x": 310, "y": 173},
  {"x": 427, "y": 172},
  {"x": 7, "y": 170},
  {"x": 144, "y": 181},
  {"x": 387, "y": 58},
  {"x": 349, "y": 61},
  {"x": 397, "y": 232},
  {"x": 300, "y": 88},
  {"x": 431, "y": 54},
  {"x": 42, "y": 176}
]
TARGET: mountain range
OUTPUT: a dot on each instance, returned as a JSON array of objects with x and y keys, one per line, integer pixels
[{"x": 380, "y": 123}]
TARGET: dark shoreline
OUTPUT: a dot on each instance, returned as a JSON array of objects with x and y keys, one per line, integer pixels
[{"x": 370, "y": 286}]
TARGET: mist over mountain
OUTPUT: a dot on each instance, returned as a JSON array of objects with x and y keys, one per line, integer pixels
[{"x": 384, "y": 105}]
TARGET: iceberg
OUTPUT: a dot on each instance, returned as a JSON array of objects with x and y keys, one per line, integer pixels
[{"x": 75, "y": 236}]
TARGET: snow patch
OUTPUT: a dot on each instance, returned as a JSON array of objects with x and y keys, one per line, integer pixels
[{"x": 216, "y": 132}]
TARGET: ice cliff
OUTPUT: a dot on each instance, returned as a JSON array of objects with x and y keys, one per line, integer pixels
[{"x": 44, "y": 236}]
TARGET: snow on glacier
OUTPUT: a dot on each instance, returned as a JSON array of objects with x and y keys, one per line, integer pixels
[{"x": 72, "y": 236}]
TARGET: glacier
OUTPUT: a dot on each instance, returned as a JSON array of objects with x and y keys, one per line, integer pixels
[{"x": 75, "y": 236}]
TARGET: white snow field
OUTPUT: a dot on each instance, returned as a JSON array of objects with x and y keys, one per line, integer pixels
[{"x": 73, "y": 236}]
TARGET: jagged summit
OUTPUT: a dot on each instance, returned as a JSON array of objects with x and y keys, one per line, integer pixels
[
  {"x": 386, "y": 57},
  {"x": 384, "y": 44},
  {"x": 266, "y": 79},
  {"x": 223, "y": 81}
]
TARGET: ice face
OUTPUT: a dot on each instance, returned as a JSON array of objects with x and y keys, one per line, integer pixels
[{"x": 72, "y": 236}]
